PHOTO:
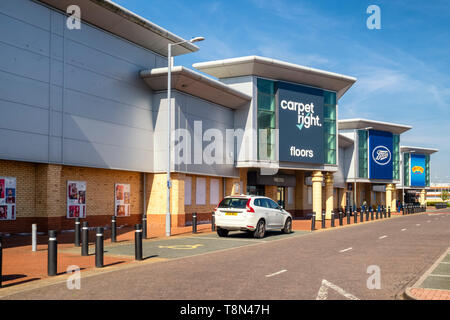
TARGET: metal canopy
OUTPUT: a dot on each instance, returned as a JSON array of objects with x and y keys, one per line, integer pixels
[
  {"x": 354, "y": 124},
  {"x": 277, "y": 70},
  {"x": 195, "y": 84},
  {"x": 116, "y": 19}
]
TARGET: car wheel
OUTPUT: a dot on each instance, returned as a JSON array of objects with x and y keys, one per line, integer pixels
[
  {"x": 260, "y": 230},
  {"x": 222, "y": 232},
  {"x": 287, "y": 226}
]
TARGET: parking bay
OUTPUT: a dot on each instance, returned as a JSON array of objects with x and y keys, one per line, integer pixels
[{"x": 184, "y": 246}]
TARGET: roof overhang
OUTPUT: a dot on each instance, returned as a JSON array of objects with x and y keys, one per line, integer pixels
[
  {"x": 418, "y": 150},
  {"x": 277, "y": 70},
  {"x": 116, "y": 19},
  {"x": 195, "y": 84},
  {"x": 344, "y": 141},
  {"x": 355, "y": 124}
]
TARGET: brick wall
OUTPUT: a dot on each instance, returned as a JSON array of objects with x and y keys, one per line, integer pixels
[{"x": 41, "y": 195}]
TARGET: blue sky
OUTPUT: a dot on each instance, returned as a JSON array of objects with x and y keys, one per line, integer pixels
[{"x": 403, "y": 70}]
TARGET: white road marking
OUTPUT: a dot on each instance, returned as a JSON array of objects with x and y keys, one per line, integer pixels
[
  {"x": 346, "y": 249},
  {"x": 403, "y": 229},
  {"x": 439, "y": 275},
  {"x": 382, "y": 237},
  {"x": 428, "y": 221},
  {"x": 445, "y": 262},
  {"x": 323, "y": 291},
  {"x": 276, "y": 273},
  {"x": 418, "y": 224}
]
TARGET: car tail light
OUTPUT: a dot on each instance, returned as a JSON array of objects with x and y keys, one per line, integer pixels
[{"x": 249, "y": 207}]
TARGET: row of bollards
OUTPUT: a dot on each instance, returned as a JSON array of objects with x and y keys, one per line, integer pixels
[
  {"x": 82, "y": 231},
  {"x": 370, "y": 214}
]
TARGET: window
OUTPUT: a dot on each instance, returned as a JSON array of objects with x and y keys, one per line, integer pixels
[
  {"x": 200, "y": 191},
  {"x": 290, "y": 195},
  {"x": 214, "y": 190},
  {"x": 309, "y": 194},
  {"x": 396, "y": 157},
  {"x": 362, "y": 154},
  {"x": 272, "y": 204},
  {"x": 406, "y": 169},
  {"x": 187, "y": 191},
  {"x": 235, "y": 203},
  {"x": 329, "y": 122},
  {"x": 266, "y": 119}
]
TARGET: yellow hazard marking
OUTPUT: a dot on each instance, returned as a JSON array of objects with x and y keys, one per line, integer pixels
[{"x": 182, "y": 246}]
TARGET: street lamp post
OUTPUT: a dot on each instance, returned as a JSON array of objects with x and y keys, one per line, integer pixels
[{"x": 169, "y": 121}]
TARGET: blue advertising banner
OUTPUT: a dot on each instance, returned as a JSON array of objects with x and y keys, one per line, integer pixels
[
  {"x": 418, "y": 173},
  {"x": 380, "y": 155},
  {"x": 300, "y": 116}
]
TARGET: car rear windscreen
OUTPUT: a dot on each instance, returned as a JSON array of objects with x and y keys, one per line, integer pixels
[{"x": 235, "y": 203}]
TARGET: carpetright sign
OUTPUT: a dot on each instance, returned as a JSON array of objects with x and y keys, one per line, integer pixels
[
  {"x": 300, "y": 114},
  {"x": 380, "y": 155}
]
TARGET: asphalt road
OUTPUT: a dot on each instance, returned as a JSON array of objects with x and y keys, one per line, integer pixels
[{"x": 292, "y": 268}]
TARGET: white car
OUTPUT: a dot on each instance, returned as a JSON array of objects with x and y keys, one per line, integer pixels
[{"x": 255, "y": 214}]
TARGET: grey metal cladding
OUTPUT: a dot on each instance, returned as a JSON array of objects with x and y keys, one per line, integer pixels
[
  {"x": 211, "y": 116},
  {"x": 90, "y": 76}
]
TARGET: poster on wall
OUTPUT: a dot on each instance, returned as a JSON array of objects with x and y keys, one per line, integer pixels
[
  {"x": 418, "y": 173},
  {"x": 7, "y": 198},
  {"x": 300, "y": 110},
  {"x": 122, "y": 199},
  {"x": 380, "y": 155},
  {"x": 76, "y": 199}
]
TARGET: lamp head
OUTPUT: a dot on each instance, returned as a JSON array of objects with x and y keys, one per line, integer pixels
[{"x": 196, "y": 39}]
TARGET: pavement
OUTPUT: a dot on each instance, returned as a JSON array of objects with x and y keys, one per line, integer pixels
[
  {"x": 435, "y": 283},
  {"x": 330, "y": 264}
]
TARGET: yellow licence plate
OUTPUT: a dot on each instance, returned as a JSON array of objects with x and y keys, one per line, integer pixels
[{"x": 231, "y": 214}]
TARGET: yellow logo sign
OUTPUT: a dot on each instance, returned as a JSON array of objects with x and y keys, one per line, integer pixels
[
  {"x": 182, "y": 246},
  {"x": 417, "y": 170}
]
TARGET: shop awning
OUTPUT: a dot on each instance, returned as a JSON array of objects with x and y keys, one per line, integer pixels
[
  {"x": 116, "y": 19},
  {"x": 277, "y": 70},
  {"x": 195, "y": 84},
  {"x": 418, "y": 150},
  {"x": 355, "y": 124}
]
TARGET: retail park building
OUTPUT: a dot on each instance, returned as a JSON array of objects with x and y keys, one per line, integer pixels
[{"x": 85, "y": 114}]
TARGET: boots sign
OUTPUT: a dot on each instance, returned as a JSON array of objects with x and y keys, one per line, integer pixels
[
  {"x": 380, "y": 155},
  {"x": 300, "y": 114}
]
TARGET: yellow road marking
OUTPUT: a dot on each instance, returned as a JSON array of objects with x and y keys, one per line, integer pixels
[{"x": 182, "y": 246}]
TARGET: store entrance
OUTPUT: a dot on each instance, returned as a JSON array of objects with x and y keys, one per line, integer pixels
[{"x": 281, "y": 196}]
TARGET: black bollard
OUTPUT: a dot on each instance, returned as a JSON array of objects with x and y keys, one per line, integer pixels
[
  {"x": 85, "y": 239},
  {"x": 389, "y": 212},
  {"x": 144, "y": 226},
  {"x": 348, "y": 219},
  {"x": 367, "y": 214},
  {"x": 313, "y": 221},
  {"x": 403, "y": 209},
  {"x": 99, "y": 248},
  {"x": 113, "y": 229},
  {"x": 340, "y": 218},
  {"x": 194, "y": 222},
  {"x": 371, "y": 213},
  {"x": 52, "y": 254},
  {"x": 1, "y": 261},
  {"x": 77, "y": 232},
  {"x": 376, "y": 215},
  {"x": 381, "y": 212},
  {"x": 385, "y": 212},
  {"x": 332, "y": 219},
  {"x": 138, "y": 242},
  {"x": 213, "y": 221},
  {"x": 323, "y": 219},
  {"x": 361, "y": 218},
  {"x": 355, "y": 217}
]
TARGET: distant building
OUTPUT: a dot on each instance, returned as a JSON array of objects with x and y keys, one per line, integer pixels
[{"x": 435, "y": 191}]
